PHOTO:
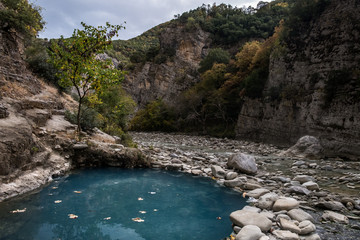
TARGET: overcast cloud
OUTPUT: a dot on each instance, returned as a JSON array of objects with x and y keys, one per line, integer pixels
[{"x": 63, "y": 16}]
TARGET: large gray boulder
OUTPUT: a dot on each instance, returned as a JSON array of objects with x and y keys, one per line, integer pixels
[
  {"x": 285, "y": 235},
  {"x": 335, "y": 217},
  {"x": 242, "y": 162},
  {"x": 285, "y": 203},
  {"x": 307, "y": 227},
  {"x": 267, "y": 201},
  {"x": 257, "y": 192},
  {"x": 243, "y": 218},
  {"x": 218, "y": 171},
  {"x": 306, "y": 147},
  {"x": 249, "y": 232},
  {"x": 300, "y": 215}
]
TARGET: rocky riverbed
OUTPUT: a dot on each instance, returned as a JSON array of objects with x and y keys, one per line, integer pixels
[{"x": 290, "y": 197}]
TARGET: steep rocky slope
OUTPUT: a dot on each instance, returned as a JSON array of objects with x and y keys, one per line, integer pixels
[
  {"x": 318, "y": 80},
  {"x": 167, "y": 80},
  {"x": 36, "y": 142}
]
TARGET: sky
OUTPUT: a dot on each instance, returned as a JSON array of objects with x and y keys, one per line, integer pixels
[{"x": 63, "y": 16}]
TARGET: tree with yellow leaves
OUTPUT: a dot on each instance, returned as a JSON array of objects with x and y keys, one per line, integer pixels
[{"x": 75, "y": 58}]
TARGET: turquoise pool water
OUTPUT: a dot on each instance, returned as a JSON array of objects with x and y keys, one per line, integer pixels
[{"x": 122, "y": 204}]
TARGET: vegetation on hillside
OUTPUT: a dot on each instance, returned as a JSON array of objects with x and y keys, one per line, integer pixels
[
  {"x": 21, "y": 16},
  {"x": 212, "y": 106}
]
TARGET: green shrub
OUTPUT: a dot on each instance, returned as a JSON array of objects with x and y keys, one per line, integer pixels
[
  {"x": 159, "y": 59},
  {"x": 22, "y": 16},
  {"x": 216, "y": 55},
  {"x": 137, "y": 57},
  {"x": 90, "y": 118},
  {"x": 156, "y": 116}
]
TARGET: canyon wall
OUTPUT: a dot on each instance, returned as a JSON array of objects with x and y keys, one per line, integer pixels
[
  {"x": 150, "y": 81},
  {"x": 314, "y": 88}
]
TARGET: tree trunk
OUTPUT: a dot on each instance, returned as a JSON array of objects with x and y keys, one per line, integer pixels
[{"x": 78, "y": 118}]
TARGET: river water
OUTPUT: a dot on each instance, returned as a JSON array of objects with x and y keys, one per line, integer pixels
[{"x": 113, "y": 203}]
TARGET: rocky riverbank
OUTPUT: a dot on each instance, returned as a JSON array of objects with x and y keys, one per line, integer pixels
[{"x": 290, "y": 197}]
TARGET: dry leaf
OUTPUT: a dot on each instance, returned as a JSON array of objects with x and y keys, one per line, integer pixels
[
  {"x": 73, "y": 216},
  {"x": 77, "y": 191},
  {"x": 19, "y": 210},
  {"x": 138, "y": 219}
]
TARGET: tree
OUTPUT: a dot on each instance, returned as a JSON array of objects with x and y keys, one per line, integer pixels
[
  {"x": 79, "y": 67},
  {"x": 216, "y": 55}
]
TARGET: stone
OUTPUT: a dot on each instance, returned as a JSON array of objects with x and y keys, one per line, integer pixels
[
  {"x": 234, "y": 183},
  {"x": 331, "y": 205},
  {"x": 249, "y": 232},
  {"x": 236, "y": 229},
  {"x": 196, "y": 172},
  {"x": 289, "y": 225},
  {"x": 312, "y": 186},
  {"x": 242, "y": 162},
  {"x": 298, "y": 190},
  {"x": 268, "y": 214},
  {"x": 300, "y": 215},
  {"x": 335, "y": 217},
  {"x": 280, "y": 216},
  {"x": 303, "y": 178},
  {"x": 80, "y": 146},
  {"x": 306, "y": 227},
  {"x": 285, "y": 203},
  {"x": 217, "y": 171},
  {"x": 3, "y": 111},
  {"x": 306, "y": 147},
  {"x": 313, "y": 236},
  {"x": 285, "y": 235},
  {"x": 267, "y": 201},
  {"x": 251, "y": 186},
  {"x": 281, "y": 179},
  {"x": 38, "y": 116},
  {"x": 231, "y": 175},
  {"x": 251, "y": 209},
  {"x": 174, "y": 167},
  {"x": 264, "y": 238},
  {"x": 256, "y": 193},
  {"x": 243, "y": 218}
]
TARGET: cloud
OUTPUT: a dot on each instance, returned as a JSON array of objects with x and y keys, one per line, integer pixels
[{"x": 63, "y": 16}]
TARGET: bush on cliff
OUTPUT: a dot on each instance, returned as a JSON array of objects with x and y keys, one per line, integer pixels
[
  {"x": 156, "y": 116},
  {"x": 22, "y": 16}
]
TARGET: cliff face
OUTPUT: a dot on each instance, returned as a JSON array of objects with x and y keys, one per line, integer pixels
[
  {"x": 36, "y": 142},
  {"x": 314, "y": 88},
  {"x": 167, "y": 80},
  {"x": 26, "y": 103}
]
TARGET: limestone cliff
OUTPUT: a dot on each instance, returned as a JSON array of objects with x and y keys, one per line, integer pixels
[
  {"x": 314, "y": 88},
  {"x": 167, "y": 80}
]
